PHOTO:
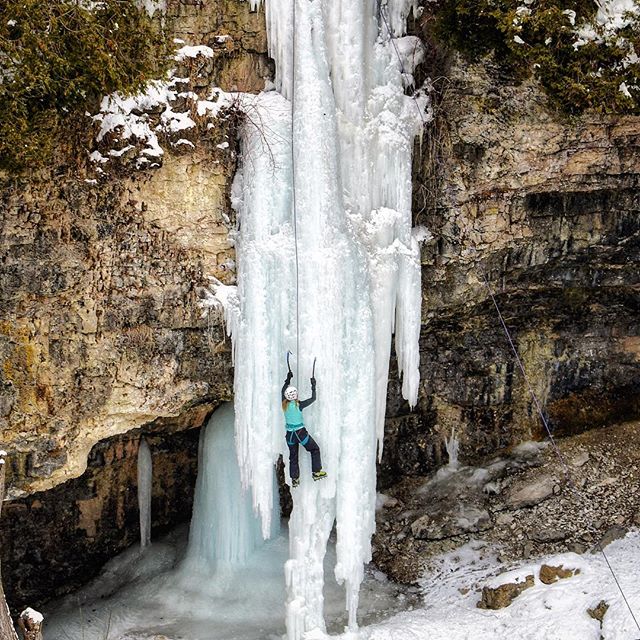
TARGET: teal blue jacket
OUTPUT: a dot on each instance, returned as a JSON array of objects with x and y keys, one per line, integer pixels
[{"x": 293, "y": 411}]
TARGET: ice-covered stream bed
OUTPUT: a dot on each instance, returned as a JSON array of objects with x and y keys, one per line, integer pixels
[
  {"x": 148, "y": 594},
  {"x": 141, "y": 596}
]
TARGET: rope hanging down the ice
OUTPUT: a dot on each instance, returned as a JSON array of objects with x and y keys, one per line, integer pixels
[
  {"x": 293, "y": 187},
  {"x": 293, "y": 196}
]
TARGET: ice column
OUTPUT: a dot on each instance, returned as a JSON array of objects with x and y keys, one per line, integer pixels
[
  {"x": 263, "y": 325},
  {"x": 145, "y": 483},
  {"x": 359, "y": 273},
  {"x": 452, "y": 444},
  {"x": 224, "y": 529}
]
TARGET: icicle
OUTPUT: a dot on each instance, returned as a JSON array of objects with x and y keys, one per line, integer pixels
[
  {"x": 145, "y": 483},
  {"x": 452, "y": 445},
  {"x": 224, "y": 529}
]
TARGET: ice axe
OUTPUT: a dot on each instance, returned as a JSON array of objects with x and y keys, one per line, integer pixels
[
  {"x": 288, "y": 365},
  {"x": 313, "y": 370}
]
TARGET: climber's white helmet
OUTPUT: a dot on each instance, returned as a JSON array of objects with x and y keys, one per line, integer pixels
[{"x": 291, "y": 393}]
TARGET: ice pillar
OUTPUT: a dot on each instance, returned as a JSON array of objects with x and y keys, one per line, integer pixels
[
  {"x": 145, "y": 483},
  {"x": 224, "y": 528}
]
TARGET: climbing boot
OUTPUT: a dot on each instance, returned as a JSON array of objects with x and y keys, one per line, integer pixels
[
  {"x": 295, "y": 482},
  {"x": 318, "y": 475}
]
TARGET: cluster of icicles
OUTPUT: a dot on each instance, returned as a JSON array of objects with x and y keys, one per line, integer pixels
[{"x": 335, "y": 183}]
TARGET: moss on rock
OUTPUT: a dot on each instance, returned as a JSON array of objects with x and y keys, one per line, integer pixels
[
  {"x": 541, "y": 38},
  {"x": 58, "y": 58}
]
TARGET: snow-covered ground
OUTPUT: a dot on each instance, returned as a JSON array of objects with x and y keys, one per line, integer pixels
[
  {"x": 141, "y": 596},
  {"x": 543, "y": 612}
]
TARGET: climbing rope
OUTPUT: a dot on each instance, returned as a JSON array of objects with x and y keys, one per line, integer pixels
[
  {"x": 507, "y": 333},
  {"x": 293, "y": 185}
]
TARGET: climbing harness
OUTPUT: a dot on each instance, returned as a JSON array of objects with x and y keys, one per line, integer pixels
[
  {"x": 296, "y": 433},
  {"x": 572, "y": 485}
]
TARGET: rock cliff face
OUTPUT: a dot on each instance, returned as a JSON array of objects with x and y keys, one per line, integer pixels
[
  {"x": 544, "y": 212},
  {"x": 100, "y": 328},
  {"x": 547, "y": 210}
]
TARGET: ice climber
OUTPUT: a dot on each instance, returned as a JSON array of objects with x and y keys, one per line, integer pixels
[{"x": 297, "y": 434}]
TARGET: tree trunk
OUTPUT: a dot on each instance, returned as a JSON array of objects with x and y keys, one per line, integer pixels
[{"x": 7, "y": 630}]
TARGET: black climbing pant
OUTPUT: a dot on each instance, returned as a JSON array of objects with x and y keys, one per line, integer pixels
[{"x": 302, "y": 437}]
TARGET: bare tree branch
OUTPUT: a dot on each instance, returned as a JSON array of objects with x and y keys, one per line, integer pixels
[{"x": 7, "y": 630}]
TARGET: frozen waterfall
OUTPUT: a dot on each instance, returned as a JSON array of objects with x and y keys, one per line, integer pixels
[
  {"x": 224, "y": 528},
  {"x": 145, "y": 483},
  {"x": 347, "y": 178},
  {"x": 452, "y": 445}
]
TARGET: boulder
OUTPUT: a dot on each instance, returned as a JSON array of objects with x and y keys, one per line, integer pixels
[
  {"x": 530, "y": 495},
  {"x": 548, "y": 535},
  {"x": 550, "y": 574},
  {"x": 580, "y": 459},
  {"x": 612, "y": 534},
  {"x": 441, "y": 525},
  {"x": 503, "y": 595},
  {"x": 597, "y": 613}
]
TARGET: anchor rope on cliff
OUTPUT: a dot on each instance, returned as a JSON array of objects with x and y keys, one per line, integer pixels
[{"x": 570, "y": 482}]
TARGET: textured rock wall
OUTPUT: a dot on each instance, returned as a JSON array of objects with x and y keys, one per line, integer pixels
[
  {"x": 101, "y": 331},
  {"x": 100, "y": 327},
  {"x": 237, "y": 35},
  {"x": 548, "y": 211},
  {"x": 53, "y": 541}
]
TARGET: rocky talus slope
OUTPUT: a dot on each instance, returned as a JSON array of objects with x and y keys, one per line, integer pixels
[{"x": 524, "y": 502}]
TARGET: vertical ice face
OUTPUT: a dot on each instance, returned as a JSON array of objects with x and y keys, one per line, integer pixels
[
  {"x": 346, "y": 182},
  {"x": 224, "y": 528},
  {"x": 145, "y": 480}
]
